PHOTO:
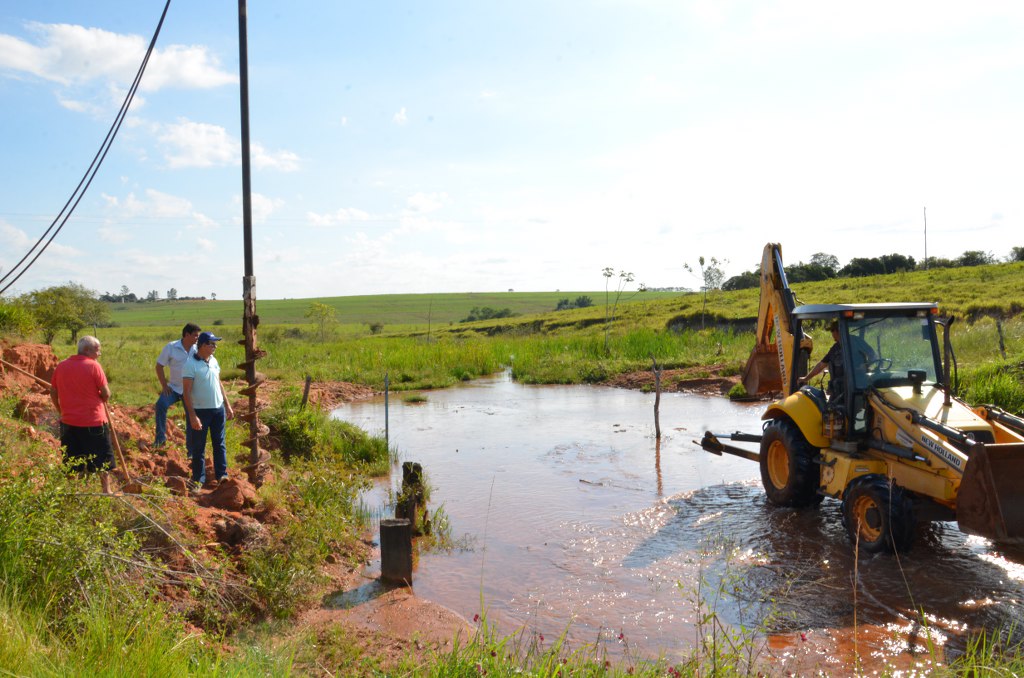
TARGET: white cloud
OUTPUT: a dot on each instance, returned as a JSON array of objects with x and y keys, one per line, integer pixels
[
  {"x": 16, "y": 243},
  {"x": 344, "y": 215},
  {"x": 424, "y": 203},
  {"x": 187, "y": 67},
  {"x": 200, "y": 144},
  {"x": 197, "y": 144},
  {"x": 263, "y": 206},
  {"x": 400, "y": 118},
  {"x": 285, "y": 161},
  {"x": 70, "y": 54},
  {"x": 113, "y": 235},
  {"x": 174, "y": 211},
  {"x": 206, "y": 244}
]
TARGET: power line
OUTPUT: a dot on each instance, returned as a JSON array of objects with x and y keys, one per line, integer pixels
[{"x": 90, "y": 173}]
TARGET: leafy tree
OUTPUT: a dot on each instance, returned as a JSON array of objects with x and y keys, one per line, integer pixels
[
  {"x": 802, "y": 272},
  {"x": 582, "y": 301},
  {"x": 152, "y": 295},
  {"x": 894, "y": 263},
  {"x": 941, "y": 262},
  {"x": 888, "y": 263},
  {"x": 1016, "y": 254},
  {"x": 323, "y": 316},
  {"x": 69, "y": 307},
  {"x": 975, "y": 258},
  {"x": 213, "y": 296},
  {"x": 16, "y": 319},
  {"x": 487, "y": 313},
  {"x": 172, "y": 294},
  {"x": 824, "y": 260},
  {"x": 742, "y": 281}
]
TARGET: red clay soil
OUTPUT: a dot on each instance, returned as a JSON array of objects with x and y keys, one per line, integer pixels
[
  {"x": 707, "y": 380},
  {"x": 226, "y": 519}
]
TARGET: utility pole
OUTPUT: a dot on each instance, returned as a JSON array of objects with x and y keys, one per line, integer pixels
[
  {"x": 925, "y": 238},
  {"x": 250, "y": 321}
]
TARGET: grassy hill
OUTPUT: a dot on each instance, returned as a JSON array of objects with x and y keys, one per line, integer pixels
[
  {"x": 968, "y": 292},
  {"x": 389, "y": 309}
]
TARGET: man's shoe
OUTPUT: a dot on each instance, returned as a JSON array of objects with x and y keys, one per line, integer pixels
[{"x": 222, "y": 478}]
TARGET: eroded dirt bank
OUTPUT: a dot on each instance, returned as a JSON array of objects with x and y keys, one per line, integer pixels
[{"x": 223, "y": 521}]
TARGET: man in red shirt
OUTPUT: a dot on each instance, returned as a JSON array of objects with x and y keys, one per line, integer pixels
[{"x": 79, "y": 391}]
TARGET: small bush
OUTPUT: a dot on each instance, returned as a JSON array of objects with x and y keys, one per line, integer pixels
[
  {"x": 16, "y": 320},
  {"x": 310, "y": 433}
]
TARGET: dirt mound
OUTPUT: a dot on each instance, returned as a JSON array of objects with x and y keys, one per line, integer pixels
[
  {"x": 707, "y": 380},
  {"x": 37, "y": 360}
]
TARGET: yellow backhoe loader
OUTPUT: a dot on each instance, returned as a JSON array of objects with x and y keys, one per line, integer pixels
[{"x": 889, "y": 438}]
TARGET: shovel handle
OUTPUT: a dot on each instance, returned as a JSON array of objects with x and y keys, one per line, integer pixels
[{"x": 117, "y": 442}]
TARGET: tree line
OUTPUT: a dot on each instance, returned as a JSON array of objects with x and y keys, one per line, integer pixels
[
  {"x": 70, "y": 307},
  {"x": 126, "y": 296},
  {"x": 824, "y": 266}
]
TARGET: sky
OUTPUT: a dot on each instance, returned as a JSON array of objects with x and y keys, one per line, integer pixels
[{"x": 462, "y": 146}]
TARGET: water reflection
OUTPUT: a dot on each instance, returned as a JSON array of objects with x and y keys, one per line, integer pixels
[{"x": 582, "y": 520}]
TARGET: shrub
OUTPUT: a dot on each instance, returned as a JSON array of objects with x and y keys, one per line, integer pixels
[{"x": 16, "y": 320}]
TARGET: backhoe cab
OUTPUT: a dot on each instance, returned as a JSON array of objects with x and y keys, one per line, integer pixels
[{"x": 886, "y": 436}]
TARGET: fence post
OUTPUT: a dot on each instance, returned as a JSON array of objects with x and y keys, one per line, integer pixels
[
  {"x": 657, "y": 398},
  {"x": 396, "y": 551}
]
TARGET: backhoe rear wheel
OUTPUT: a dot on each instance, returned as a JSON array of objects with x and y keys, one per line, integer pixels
[
  {"x": 878, "y": 515},
  {"x": 788, "y": 472}
]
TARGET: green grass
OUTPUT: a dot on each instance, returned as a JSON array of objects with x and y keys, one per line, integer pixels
[{"x": 390, "y": 309}]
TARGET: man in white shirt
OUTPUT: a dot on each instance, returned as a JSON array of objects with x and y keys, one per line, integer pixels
[{"x": 173, "y": 356}]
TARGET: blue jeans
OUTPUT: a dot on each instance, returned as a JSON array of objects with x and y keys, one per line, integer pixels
[
  {"x": 163, "y": 403},
  {"x": 212, "y": 421}
]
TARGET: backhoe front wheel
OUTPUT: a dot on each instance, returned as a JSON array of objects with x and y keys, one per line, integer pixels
[
  {"x": 788, "y": 471},
  {"x": 878, "y": 515}
]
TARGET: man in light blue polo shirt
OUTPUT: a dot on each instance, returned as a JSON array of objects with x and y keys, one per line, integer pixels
[
  {"x": 174, "y": 356},
  {"x": 207, "y": 408}
]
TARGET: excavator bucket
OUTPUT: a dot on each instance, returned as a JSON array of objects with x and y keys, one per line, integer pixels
[
  {"x": 991, "y": 498},
  {"x": 761, "y": 374}
]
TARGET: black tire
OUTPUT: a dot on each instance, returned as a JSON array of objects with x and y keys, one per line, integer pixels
[
  {"x": 878, "y": 515},
  {"x": 788, "y": 472}
]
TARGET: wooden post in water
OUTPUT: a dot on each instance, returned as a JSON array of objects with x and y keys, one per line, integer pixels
[
  {"x": 396, "y": 551},
  {"x": 657, "y": 398},
  {"x": 412, "y": 497}
]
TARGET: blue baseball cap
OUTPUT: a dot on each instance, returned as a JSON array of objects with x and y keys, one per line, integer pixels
[{"x": 207, "y": 338}]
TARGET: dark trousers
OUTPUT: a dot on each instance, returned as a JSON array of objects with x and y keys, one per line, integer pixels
[
  {"x": 212, "y": 421},
  {"x": 88, "y": 447}
]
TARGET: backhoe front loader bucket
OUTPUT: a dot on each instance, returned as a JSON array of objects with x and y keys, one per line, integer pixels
[
  {"x": 990, "y": 502},
  {"x": 761, "y": 374}
]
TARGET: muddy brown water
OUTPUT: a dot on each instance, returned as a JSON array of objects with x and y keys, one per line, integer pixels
[{"x": 574, "y": 520}]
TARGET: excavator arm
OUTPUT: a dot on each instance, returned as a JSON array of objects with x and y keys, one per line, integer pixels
[{"x": 781, "y": 350}]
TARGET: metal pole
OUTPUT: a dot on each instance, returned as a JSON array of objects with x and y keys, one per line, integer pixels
[
  {"x": 925, "y": 238},
  {"x": 243, "y": 77},
  {"x": 249, "y": 318}
]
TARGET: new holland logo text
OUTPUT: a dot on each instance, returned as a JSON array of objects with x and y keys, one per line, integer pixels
[{"x": 940, "y": 451}]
